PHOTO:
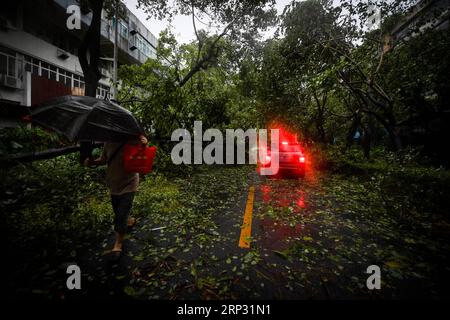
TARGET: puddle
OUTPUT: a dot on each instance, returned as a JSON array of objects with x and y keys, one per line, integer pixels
[{"x": 288, "y": 199}]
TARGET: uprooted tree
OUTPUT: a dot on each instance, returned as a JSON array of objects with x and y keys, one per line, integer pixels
[
  {"x": 186, "y": 81},
  {"x": 241, "y": 19}
]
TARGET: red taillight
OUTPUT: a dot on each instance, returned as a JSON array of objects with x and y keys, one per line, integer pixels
[
  {"x": 266, "y": 160},
  {"x": 285, "y": 143},
  {"x": 301, "y": 159}
]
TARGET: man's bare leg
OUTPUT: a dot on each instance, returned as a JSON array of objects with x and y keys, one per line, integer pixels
[
  {"x": 119, "y": 242},
  {"x": 131, "y": 222}
]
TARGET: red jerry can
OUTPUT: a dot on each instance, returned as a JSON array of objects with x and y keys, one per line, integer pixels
[{"x": 138, "y": 158}]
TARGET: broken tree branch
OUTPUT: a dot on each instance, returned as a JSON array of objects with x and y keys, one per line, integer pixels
[{"x": 42, "y": 155}]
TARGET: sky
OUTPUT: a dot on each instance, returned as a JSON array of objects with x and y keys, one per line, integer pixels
[{"x": 182, "y": 25}]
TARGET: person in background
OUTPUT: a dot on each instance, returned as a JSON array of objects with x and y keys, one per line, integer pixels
[
  {"x": 357, "y": 137},
  {"x": 122, "y": 188}
]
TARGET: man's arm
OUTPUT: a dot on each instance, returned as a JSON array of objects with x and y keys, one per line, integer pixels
[
  {"x": 96, "y": 162},
  {"x": 143, "y": 139}
]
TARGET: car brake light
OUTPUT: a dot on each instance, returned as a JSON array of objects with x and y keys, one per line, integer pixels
[
  {"x": 285, "y": 143},
  {"x": 268, "y": 159},
  {"x": 301, "y": 159}
]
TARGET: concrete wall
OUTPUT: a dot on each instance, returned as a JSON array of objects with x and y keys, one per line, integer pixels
[{"x": 28, "y": 44}]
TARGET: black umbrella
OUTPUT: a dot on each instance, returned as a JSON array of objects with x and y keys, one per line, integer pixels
[{"x": 87, "y": 118}]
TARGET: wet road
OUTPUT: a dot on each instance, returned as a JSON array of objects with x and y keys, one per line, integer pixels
[{"x": 310, "y": 238}]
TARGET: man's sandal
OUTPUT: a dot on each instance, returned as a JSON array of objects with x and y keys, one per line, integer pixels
[{"x": 113, "y": 254}]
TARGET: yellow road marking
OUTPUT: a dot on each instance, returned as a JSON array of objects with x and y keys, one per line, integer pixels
[{"x": 246, "y": 229}]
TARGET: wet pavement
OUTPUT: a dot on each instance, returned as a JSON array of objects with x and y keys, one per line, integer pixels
[{"x": 311, "y": 238}]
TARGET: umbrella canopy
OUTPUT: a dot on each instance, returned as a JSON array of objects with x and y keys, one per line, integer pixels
[{"x": 87, "y": 118}]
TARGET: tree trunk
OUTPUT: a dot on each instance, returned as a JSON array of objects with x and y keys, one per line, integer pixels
[
  {"x": 320, "y": 117},
  {"x": 366, "y": 141},
  {"x": 393, "y": 135},
  {"x": 392, "y": 129},
  {"x": 89, "y": 51},
  {"x": 321, "y": 130},
  {"x": 396, "y": 140}
]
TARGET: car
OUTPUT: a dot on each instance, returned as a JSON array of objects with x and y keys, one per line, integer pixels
[{"x": 291, "y": 157}]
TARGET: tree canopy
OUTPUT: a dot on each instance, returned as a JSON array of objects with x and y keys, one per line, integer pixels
[{"x": 326, "y": 72}]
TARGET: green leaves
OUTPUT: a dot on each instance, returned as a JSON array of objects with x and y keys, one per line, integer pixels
[
  {"x": 129, "y": 291},
  {"x": 283, "y": 254}
]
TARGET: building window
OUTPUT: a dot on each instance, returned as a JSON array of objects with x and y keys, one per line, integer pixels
[
  {"x": 123, "y": 29},
  {"x": 52, "y": 70},
  {"x": 44, "y": 70},
  {"x": 3, "y": 64},
  {"x": 143, "y": 46},
  {"x": 102, "y": 92},
  {"x": 12, "y": 66},
  {"x": 61, "y": 76}
]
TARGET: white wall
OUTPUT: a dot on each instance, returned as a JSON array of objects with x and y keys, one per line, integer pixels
[{"x": 28, "y": 44}]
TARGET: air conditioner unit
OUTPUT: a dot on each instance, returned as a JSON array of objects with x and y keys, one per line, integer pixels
[
  {"x": 10, "y": 82},
  {"x": 132, "y": 42},
  {"x": 133, "y": 28},
  {"x": 104, "y": 72},
  {"x": 62, "y": 54}
]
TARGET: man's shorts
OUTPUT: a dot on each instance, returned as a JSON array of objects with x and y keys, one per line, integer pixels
[{"x": 122, "y": 207}]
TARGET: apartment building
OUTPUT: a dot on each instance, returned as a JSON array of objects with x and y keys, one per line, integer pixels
[
  {"x": 38, "y": 53},
  {"x": 425, "y": 15}
]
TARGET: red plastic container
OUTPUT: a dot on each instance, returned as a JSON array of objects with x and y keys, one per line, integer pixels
[{"x": 138, "y": 158}]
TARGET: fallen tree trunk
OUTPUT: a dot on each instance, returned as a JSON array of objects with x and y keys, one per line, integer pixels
[{"x": 43, "y": 155}]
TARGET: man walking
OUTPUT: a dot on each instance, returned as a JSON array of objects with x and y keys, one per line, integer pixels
[{"x": 122, "y": 188}]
